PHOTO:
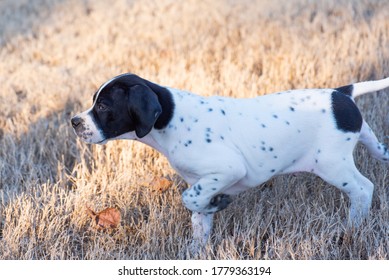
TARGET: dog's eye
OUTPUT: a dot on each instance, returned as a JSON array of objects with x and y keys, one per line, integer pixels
[{"x": 101, "y": 107}]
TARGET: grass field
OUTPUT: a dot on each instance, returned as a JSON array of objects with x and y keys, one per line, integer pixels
[{"x": 54, "y": 54}]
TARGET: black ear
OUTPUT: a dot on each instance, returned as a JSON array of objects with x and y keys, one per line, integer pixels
[{"x": 144, "y": 106}]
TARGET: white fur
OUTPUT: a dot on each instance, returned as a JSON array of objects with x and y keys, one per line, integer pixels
[{"x": 369, "y": 86}]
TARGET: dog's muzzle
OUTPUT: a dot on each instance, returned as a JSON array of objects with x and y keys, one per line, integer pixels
[
  {"x": 78, "y": 125},
  {"x": 86, "y": 129}
]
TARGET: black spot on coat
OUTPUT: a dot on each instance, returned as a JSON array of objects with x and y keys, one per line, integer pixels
[
  {"x": 346, "y": 113},
  {"x": 347, "y": 90}
]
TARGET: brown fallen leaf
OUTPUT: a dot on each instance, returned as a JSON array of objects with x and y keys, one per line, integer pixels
[
  {"x": 108, "y": 218},
  {"x": 160, "y": 184}
]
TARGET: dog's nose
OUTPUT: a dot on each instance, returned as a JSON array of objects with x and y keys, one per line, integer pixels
[{"x": 76, "y": 121}]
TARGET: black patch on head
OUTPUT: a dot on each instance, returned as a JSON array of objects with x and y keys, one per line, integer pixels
[
  {"x": 347, "y": 90},
  {"x": 223, "y": 112},
  {"x": 110, "y": 113},
  {"x": 346, "y": 113},
  {"x": 130, "y": 103}
]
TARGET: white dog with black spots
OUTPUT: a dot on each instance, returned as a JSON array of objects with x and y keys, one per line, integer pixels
[{"x": 222, "y": 146}]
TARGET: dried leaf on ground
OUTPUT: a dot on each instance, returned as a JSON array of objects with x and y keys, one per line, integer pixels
[
  {"x": 160, "y": 184},
  {"x": 156, "y": 183},
  {"x": 108, "y": 218}
]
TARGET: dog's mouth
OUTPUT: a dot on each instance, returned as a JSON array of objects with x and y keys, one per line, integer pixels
[{"x": 88, "y": 137}]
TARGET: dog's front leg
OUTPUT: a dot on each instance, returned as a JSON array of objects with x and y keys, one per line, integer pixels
[
  {"x": 208, "y": 195},
  {"x": 204, "y": 199}
]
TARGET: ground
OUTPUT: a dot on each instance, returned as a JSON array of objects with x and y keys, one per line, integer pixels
[{"x": 54, "y": 54}]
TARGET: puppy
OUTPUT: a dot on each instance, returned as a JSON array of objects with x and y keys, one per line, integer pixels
[{"x": 222, "y": 146}]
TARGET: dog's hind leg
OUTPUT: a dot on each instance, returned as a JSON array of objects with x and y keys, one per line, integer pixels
[
  {"x": 376, "y": 149},
  {"x": 345, "y": 176}
]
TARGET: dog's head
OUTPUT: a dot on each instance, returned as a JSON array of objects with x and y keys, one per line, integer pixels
[{"x": 126, "y": 104}]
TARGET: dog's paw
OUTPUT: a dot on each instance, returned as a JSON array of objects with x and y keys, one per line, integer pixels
[{"x": 220, "y": 201}]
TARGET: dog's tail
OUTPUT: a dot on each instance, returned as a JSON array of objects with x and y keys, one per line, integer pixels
[{"x": 357, "y": 89}]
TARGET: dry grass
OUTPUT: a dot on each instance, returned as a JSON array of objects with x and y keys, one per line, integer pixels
[{"x": 54, "y": 54}]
